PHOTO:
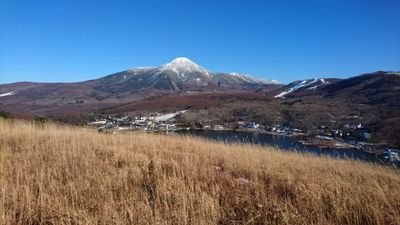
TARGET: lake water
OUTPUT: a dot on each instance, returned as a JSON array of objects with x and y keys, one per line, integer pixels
[{"x": 280, "y": 141}]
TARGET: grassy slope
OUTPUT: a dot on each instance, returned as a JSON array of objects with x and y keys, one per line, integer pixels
[{"x": 67, "y": 175}]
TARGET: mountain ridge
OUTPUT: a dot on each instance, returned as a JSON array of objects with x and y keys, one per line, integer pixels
[
  {"x": 223, "y": 97},
  {"x": 181, "y": 76}
]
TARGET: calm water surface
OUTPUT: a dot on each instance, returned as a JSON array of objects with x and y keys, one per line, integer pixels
[{"x": 280, "y": 141}]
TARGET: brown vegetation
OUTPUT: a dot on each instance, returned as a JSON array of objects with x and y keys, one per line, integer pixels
[
  {"x": 179, "y": 102},
  {"x": 51, "y": 174}
]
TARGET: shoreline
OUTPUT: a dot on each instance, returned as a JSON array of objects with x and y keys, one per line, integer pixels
[
  {"x": 301, "y": 138},
  {"x": 336, "y": 145}
]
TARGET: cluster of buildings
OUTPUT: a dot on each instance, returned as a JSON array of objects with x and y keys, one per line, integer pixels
[
  {"x": 274, "y": 129},
  {"x": 253, "y": 127},
  {"x": 391, "y": 155},
  {"x": 353, "y": 131},
  {"x": 150, "y": 122}
]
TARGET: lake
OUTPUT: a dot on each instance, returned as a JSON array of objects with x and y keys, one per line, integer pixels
[{"x": 280, "y": 141}]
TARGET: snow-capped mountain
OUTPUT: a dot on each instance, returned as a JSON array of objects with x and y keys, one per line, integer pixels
[
  {"x": 181, "y": 74},
  {"x": 180, "y": 77}
]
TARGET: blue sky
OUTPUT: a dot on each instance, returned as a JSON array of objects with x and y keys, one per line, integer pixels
[{"x": 71, "y": 40}]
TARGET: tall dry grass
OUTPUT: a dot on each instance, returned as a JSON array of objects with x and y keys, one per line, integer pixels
[{"x": 51, "y": 174}]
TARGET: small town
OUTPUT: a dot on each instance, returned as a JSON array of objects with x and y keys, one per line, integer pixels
[
  {"x": 352, "y": 136},
  {"x": 149, "y": 122}
]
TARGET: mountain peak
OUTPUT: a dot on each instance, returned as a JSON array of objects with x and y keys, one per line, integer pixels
[
  {"x": 182, "y": 60},
  {"x": 182, "y": 66}
]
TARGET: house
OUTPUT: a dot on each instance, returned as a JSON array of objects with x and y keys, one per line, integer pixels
[
  {"x": 98, "y": 122},
  {"x": 391, "y": 155},
  {"x": 165, "y": 126},
  {"x": 325, "y": 138},
  {"x": 219, "y": 127},
  {"x": 252, "y": 125}
]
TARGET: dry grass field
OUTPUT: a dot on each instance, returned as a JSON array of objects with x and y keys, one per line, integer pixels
[{"x": 53, "y": 174}]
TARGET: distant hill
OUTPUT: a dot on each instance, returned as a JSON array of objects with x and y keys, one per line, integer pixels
[{"x": 372, "y": 88}]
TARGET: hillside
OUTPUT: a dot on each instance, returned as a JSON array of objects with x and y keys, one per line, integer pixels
[
  {"x": 369, "y": 99},
  {"x": 53, "y": 174}
]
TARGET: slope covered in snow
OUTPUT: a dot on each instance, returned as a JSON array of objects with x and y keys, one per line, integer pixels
[
  {"x": 310, "y": 84},
  {"x": 168, "y": 116},
  {"x": 7, "y": 94},
  {"x": 250, "y": 79}
]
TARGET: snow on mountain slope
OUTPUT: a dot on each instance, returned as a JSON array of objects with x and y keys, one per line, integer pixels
[
  {"x": 244, "y": 77},
  {"x": 292, "y": 89},
  {"x": 7, "y": 94},
  {"x": 138, "y": 70},
  {"x": 168, "y": 116},
  {"x": 250, "y": 79},
  {"x": 310, "y": 84},
  {"x": 271, "y": 82}
]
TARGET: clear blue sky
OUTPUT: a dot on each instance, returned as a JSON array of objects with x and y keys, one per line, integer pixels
[{"x": 66, "y": 40}]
